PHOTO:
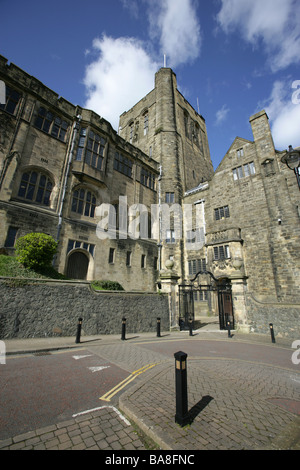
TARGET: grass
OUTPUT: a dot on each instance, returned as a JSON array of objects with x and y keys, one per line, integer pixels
[{"x": 10, "y": 267}]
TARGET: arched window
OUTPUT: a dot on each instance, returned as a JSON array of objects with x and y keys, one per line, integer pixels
[
  {"x": 36, "y": 187},
  {"x": 84, "y": 203}
]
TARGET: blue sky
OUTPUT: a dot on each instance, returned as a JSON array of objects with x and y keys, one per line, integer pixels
[{"x": 233, "y": 57}]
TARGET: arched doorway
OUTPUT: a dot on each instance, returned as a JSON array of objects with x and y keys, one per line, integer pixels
[{"x": 78, "y": 264}]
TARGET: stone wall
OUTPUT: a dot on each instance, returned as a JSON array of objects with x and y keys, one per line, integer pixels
[
  {"x": 53, "y": 308},
  {"x": 285, "y": 317}
]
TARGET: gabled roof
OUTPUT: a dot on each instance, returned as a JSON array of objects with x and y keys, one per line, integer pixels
[
  {"x": 238, "y": 142},
  {"x": 241, "y": 140}
]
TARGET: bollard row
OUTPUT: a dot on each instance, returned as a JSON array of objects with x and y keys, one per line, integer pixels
[{"x": 123, "y": 335}]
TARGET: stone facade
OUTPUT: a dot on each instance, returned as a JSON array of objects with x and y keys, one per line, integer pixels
[
  {"x": 58, "y": 163},
  {"x": 164, "y": 125},
  {"x": 251, "y": 213},
  {"x": 240, "y": 222}
]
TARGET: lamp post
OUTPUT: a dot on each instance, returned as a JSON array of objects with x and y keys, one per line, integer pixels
[{"x": 292, "y": 161}]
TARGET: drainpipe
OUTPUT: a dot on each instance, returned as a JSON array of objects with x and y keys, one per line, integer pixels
[
  {"x": 160, "y": 219},
  {"x": 65, "y": 183}
]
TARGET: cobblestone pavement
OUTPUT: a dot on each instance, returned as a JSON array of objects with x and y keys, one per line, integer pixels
[{"x": 234, "y": 403}]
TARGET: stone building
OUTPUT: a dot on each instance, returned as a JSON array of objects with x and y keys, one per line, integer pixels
[
  {"x": 58, "y": 164},
  {"x": 252, "y": 225},
  {"x": 166, "y": 127},
  {"x": 238, "y": 226}
]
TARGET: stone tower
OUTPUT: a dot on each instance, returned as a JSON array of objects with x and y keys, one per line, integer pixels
[{"x": 167, "y": 128}]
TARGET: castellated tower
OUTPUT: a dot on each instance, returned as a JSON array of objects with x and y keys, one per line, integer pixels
[{"x": 167, "y": 128}]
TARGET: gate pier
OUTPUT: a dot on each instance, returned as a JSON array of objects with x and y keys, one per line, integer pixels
[
  {"x": 169, "y": 285},
  {"x": 238, "y": 287}
]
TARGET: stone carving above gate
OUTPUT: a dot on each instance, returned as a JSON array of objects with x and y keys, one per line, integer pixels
[{"x": 229, "y": 235}]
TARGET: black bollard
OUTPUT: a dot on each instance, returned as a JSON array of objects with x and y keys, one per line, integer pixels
[
  {"x": 272, "y": 332},
  {"x": 123, "y": 328},
  {"x": 158, "y": 327},
  {"x": 182, "y": 416},
  {"x": 191, "y": 326},
  {"x": 78, "y": 331},
  {"x": 228, "y": 328}
]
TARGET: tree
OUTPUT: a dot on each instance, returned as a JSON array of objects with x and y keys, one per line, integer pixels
[{"x": 36, "y": 250}]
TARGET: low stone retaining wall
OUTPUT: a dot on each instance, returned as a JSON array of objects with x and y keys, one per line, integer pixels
[
  {"x": 45, "y": 309},
  {"x": 285, "y": 317}
]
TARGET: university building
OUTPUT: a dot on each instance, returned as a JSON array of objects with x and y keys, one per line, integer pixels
[{"x": 230, "y": 244}]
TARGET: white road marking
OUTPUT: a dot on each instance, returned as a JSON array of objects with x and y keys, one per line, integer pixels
[
  {"x": 81, "y": 357},
  {"x": 295, "y": 378},
  {"x": 101, "y": 408},
  {"x": 97, "y": 369}
]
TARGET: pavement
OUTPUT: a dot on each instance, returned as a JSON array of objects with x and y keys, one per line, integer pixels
[{"x": 247, "y": 398}]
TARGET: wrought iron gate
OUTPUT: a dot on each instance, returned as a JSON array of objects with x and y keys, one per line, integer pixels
[{"x": 220, "y": 290}]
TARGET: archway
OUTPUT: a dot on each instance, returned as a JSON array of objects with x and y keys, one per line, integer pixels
[
  {"x": 78, "y": 264},
  {"x": 220, "y": 287}
]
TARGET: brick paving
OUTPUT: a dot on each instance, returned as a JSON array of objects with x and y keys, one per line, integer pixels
[
  {"x": 234, "y": 404},
  {"x": 229, "y": 406},
  {"x": 99, "y": 430}
]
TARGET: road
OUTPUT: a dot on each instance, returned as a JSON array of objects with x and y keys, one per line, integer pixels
[{"x": 39, "y": 390}]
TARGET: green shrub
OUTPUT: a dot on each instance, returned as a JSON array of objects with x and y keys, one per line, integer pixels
[
  {"x": 36, "y": 250},
  {"x": 106, "y": 285},
  {"x": 10, "y": 267}
]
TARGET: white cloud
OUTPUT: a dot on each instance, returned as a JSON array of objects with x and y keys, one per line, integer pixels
[
  {"x": 275, "y": 23},
  {"x": 132, "y": 6},
  {"x": 122, "y": 73},
  {"x": 221, "y": 114},
  {"x": 284, "y": 115},
  {"x": 122, "y": 70},
  {"x": 175, "y": 24}
]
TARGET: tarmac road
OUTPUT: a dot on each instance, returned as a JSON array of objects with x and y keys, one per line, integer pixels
[
  {"x": 38, "y": 391},
  {"x": 243, "y": 393}
]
